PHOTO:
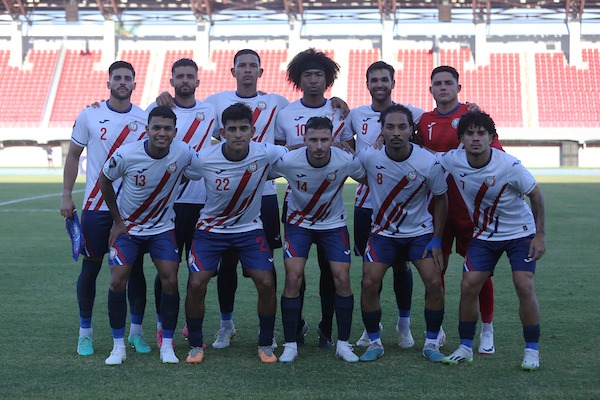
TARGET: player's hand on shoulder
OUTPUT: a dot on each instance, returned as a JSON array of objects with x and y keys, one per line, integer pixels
[
  {"x": 165, "y": 99},
  {"x": 472, "y": 107},
  {"x": 336, "y": 103},
  {"x": 344, "y": 146},
  {"x": 95, "y": 104},
  {"x": 378, "y": 144}
]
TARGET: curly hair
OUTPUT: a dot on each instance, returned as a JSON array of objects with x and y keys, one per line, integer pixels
[{"x": 312, "y": 59}]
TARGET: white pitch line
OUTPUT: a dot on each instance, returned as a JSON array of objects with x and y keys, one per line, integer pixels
[{"x": 5, "y": 203}]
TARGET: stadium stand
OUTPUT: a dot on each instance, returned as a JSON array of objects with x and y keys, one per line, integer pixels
[
  {"x": 25, "y": 89},
  {"x": 567, "y": 96},
  {"x": 496, "y": 88},
  {"x": 79, "y": 83},
  {"x": 413, "y": 78},
  {"x": 360, "y": 60}
]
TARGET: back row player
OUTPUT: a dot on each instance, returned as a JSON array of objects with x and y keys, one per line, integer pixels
[{"x": 102, "y": 130}]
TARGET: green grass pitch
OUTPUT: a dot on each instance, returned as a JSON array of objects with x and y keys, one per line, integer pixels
[{"x": 40, "y": 321}]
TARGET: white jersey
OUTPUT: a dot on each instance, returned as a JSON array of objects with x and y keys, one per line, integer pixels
[
  {"x": 291, "y": 122},
  {"x": 149, "y": 185},
  {"x": 195, "y": 126},
  {"x": 265, "y": 108},
  {"x": 232, "y": 203},
  {"x": 399, "y": 191},
  {"x": 494, "y": 194},
  {"x": 366, "y": 128},
  {"x": 102, "y": 130},
  {"x": 316, "y": 199}
]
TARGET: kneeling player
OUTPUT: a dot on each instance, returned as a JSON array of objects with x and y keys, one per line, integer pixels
[
  {"x": 143, "y": 221},
  {"x": 492, "y": 184}
]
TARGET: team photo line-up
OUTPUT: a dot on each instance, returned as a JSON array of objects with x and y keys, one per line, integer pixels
[{"x": 197, "y": 178}]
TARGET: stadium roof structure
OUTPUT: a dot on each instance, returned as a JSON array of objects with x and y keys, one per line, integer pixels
[{"x": 297, "y": 10}]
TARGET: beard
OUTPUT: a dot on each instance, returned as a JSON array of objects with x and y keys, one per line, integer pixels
[
  {"x": 185, "y": 91},
  {"x": 120, "y": 95}
]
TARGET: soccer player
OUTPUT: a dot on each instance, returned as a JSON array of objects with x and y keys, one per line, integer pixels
[
  {"x": 493, "y": 185},
  {"x": 400, "y": 176},
  {"x": 102, "y": 130},
  {"x": 235, "y": 173},
  {"x": 247, "y": 71},
  {"x": 366, "y": 128},
  {"x": 265, "y": 107},
  {"x": 316, "y": 214},
  {"x": 313, "y": 73},
  {"x": 437, "y": 132},
  {"x": 196, "y": 122},
  {"x": 151, "y": 171}
]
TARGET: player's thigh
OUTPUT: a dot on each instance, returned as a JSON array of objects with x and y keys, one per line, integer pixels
[
  {"x": 517, "y": 251},
  {"x": 298, "y": 241},
  {"x": 269, "y": 214},
  {"x": 254, "y": 251},
  {"x": 362, "y": 229},
  {"x": 95, "y": 228},
  {"x": 207, "y": 250},
  {"x": 186, "y": 217},
  {"x": 335, "y": 244}
]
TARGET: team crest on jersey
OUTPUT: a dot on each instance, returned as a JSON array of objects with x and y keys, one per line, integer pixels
[
  {"x": 112, "y": 253},
  {"x": 262, "y": 105},
  {"x": 133, "y": 126},
  {"x": 455, "y": 123},
  {"x": 412, "y": 175},
  {"x": 490, "y": 181},
  {"x": 172, "y": 168},
  {"x": 252, "y": 167},
  {"x": 331, "y": 176},
  {"x": 200, "y": 116}
]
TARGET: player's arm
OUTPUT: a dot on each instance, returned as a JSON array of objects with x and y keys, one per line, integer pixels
[
  {"x": 110, "y": 198},
  {"x": 537, "y": 248},
  {"x": 336, "y": 103},
  {"x": 346, "y": 145},
  {"x": 165, "y": 99},
  {"x": 440, "y": 213},
  {"x": 472, "y": 107},
  {"x": 67, "y": 206}
]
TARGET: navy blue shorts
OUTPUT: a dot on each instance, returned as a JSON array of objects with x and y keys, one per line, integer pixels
[
  {"x": 383, "y": 249},
  {"x": 335, "y": 242},
  {"x": 269, "y": 214},
  {"x": 126, "y": 250},
  {"x": 95, "y": 227},
  {"x": 251, "y": 247},
  {"x": 483, "y": 255}
]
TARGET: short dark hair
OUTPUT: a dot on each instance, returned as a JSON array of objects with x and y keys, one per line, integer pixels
[
  {"x": 476, "y": 119},
  {"x": 245, "y": 51},
  {"x": 184, "y": 62},
  {"x": 319, "y": 123},
  {"x": 380, "y": 65},
  {"x": 236, "y": 112},
  {"x": 162, "y": 111},
  {"x": 120, "y": 64},
  {"x": 307, "y": 59},
  {"x": 399, "y": 108},
  {"x": 445, "y": 68}
]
